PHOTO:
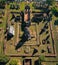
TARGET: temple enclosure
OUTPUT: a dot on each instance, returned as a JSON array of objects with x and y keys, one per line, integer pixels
[{"x": 28, "y": 31}]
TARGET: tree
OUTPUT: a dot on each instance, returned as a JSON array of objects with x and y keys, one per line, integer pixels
[
  {"x": 4, "y": 59},
  {"x": 13, "y": 62},
  {"x": 41, "y": 59},
  {"x": 38, "y": 0},
  {"x": 56, "y": 22},
  {"x": 55, "y": 10},
  {"x": 56, "y": 64},
  {"x": 50, "y": 2},
  {"x": 3, "y": 1}
]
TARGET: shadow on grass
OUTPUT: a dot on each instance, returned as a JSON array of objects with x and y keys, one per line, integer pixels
[
  {"x": 56, "y": 22},
  {"x": 37, "y": 62},
  {"x": 56, "y": 64},
  {"x": 9, "y": 36},
  {"x": 13, "y": 16},
  {"x": 1, "y": 63},
  {"x": 23, "y": 38},
  {"x": 21, "y": 42},
  {"x": 27, "y": 62},
  {"x": 26, "y": 34}
]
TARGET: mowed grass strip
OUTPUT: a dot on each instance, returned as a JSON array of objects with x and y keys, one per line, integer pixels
[{"x": 1, "y": 48}]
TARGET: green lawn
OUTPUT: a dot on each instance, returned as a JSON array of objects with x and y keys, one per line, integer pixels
[
  {"x": 1, "y": 48},
  {"x": 22, "y": 6}
]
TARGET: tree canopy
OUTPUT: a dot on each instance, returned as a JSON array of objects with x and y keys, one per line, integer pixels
[
  {"x": 50, "y": 2},
  {"x": 13, "y": 62},
  {"x": 3, "y": 0},
  {"x": 55, "y": 11},
  {"x": 4, "y": 59}
]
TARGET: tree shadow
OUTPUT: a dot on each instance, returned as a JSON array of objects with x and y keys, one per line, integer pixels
[
  {"x": 23, "y": 25},
  {"x": 47, "y": 37},
  {"x": 2, "y": 63},
  {"x": 35, "y": 51},
  {"x": 56, "y": 64},
  {"x": 21, "y": 42},
  {"x": 26, "y": 35},
  {"x": 27, "y": 62},
  {"x": 42, "y": 31},
  {"x": 13, "y": 16},
  {"x": 9, "y": 36},
  {"x": 23, "y": 38},
  {"x": 56, "y": 22},
  {"x": 37, "y": 19},
  {"x": 44, "y": 28},
  {"x": 36, "y": 62}
]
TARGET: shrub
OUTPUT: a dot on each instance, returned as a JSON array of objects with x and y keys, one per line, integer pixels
[
  {"x": 56, "y": 22},
  {"x": 13, "y": 62},
  {"x": 55, "y": 10},
  {"x": 42, "y": 58},
  {"x": 50, "y": 2},
  {"x": 4, "y": 59},
  {"x": 34, "y": 5}
]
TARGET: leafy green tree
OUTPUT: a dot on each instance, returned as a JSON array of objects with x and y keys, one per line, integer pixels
[
  {"x": 3, "y": 1},
  {"x": 56, "y": 22},
  {"x": 56, "y": 64},
  {"x": 13, "y": 62},
  {"x": 50, "y": 2},
  {"x": 4, "y": 59},
  {"x": 41, "y": 59},
  {"x": 55, "y": 11}
]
